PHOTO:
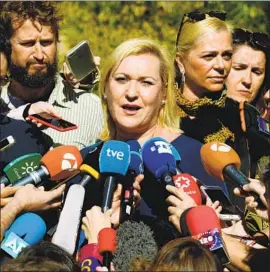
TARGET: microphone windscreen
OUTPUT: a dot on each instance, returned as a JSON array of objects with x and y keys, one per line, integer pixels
[
  {"x": 22, "y": 166},
  {"x": 136, "y": 163},
  {"x": 114, "y": 157},
  {"x": 134, "y": 146},
  {"x": 133, "y": 240},
  {"x": 107, "y": 240},
  {"x": 30, "y": 227},
  {"x": 201, "y": 219},
  {"x": 70, "y": 218},
  {"x": 158, "y": 157},
  {"x": 216, "y": 156},
  {"x": 189, "y": 186},
  {"x": 61, "y": 161}
]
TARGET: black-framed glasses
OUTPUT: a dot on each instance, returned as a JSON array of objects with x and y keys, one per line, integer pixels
[
  {"x": 196, "y": 16},
  {"x": 258, "y": 39}
]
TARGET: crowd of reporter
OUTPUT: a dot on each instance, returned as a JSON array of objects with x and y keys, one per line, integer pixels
[{"x": 136, "y": 200}]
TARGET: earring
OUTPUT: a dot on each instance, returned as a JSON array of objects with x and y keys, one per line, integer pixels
[
  {"x": 105, "y": 96},
  {"x": 183, "y": 78},
  {"x": 163, "y": 102}
]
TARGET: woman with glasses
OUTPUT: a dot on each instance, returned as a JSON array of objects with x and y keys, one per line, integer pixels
[
  {"x": 203, "y": 58},
  {"x": 249, "y": 77}
]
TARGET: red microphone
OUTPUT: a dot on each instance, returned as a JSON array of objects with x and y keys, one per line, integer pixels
[
  {"x": 189, "y": 186},
  {"x": 202, "y": 224},
  {"x": 57, "y": 164},
  {"x": 107, "y": 245},
  {"x": 199, "y": 219}
]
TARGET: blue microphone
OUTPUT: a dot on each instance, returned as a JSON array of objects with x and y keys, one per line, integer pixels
[
  {"x": 159, "y": 159},
  {"x": 28, "y": 229},
  {"x": 177, "y": 158},
  {"x": 134, "y": 146},
  {"x": 114, "y": 161}
]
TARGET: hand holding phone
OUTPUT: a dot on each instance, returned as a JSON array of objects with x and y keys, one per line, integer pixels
[
  {"x": 53, "y": 122},
  {"x": 80, "y": 61}
]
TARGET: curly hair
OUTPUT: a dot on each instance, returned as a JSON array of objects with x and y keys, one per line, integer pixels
[
  {"x": 15, "y": 13},
  {"x": 5, "y": 46}
]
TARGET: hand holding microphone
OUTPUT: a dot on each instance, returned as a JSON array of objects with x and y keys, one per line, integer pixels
[
  {"x": 223, "y": 163},
  {"x": 6, "y": 194},
  {"x": 94, "y": 221},
  {"x": 251, "y": 204},
  {"x": 30, "y": 198},
  {"x": 117, "y": 198},
  {"x": 179, "y": 201}
]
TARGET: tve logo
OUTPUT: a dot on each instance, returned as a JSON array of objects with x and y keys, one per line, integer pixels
[
  {"x": 114, "y": 157},
  {"x": 119, "y": 155},
  {"x": 13, "y": 245},
  {"x": 161, "y": 147}
]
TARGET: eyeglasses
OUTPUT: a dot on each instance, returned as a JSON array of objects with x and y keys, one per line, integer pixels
[
  {"x": 259, "y": 39},
  {"x": 197, "y": 16}
]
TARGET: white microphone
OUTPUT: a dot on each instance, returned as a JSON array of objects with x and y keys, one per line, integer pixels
[{"x": 70, "y": 218}]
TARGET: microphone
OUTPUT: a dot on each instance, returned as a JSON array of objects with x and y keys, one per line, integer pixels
[
  {"x": 57, "y": 164},
  {"x": 27, "y": 229},
  {"x": 202, "y": 224},
  {"x": 177, "y": 158},
  {"x": 67, "y": 229},
  {"x": 222, "y": 162},
  {"x": 107, "y": 245},
  {"x": 20, "y": 167},
  {"x": 90, "y": 173},
  {"x": 159, "y": 159},
  {"x": 135, "y": 169},
  {"x": 114, "y": 161},
  {"x": 134, "y": 146},
  {"x": 133, "y": 239},
  {"x": 189, "y": 186}
]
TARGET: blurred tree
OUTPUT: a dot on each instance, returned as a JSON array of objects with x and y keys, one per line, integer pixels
[{"x": 107, "y": 24}]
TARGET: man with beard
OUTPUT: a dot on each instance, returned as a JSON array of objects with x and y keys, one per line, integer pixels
[{"x": 32, "y": 28}]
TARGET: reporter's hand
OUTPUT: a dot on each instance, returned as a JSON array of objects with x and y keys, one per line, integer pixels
[
  {"x": 94, "y": 221},
  {"x": 69, "y": 76},
  {"x": 30, "y": 198},
  {"x": 179, "y": 201},
  {"x": 44, "y": 109},
  {"x": 116, "y": 202},
  {"x": 214, "y": 205},
  {"x": 104, "y": 268},
  {"x": 259, "y": 188},
  {"x": 7, "y": 194}
]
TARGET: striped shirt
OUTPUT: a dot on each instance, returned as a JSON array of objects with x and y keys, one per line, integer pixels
[{"x": 74, "y": 105}]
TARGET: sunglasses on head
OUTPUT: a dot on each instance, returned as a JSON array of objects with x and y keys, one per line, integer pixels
[
  {"x": 260, "y": 39},
  {"x": 196, "y": 16}
]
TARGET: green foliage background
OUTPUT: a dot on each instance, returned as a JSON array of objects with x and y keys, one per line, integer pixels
[{"x": 107, "y": 24}]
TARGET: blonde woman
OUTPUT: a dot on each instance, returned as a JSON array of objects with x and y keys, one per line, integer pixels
[{"x": 137, "y": 92}]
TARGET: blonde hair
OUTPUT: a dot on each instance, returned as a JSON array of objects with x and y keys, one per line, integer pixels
[
  {"x": 192, "y": 32},
  {"x": 167, "y": 114}
]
